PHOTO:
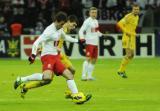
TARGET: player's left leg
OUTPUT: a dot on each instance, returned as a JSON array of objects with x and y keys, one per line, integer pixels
[
  {"x": 29, "y": 85},
  {"x": 128, "y": 57},
  {"x": 91, "y": 68},
  {"x": 33, "y": 81},
  {"x": 33, "y": 77}
]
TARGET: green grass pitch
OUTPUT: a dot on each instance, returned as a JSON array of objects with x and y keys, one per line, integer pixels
[{"x": 140, "y": 92}]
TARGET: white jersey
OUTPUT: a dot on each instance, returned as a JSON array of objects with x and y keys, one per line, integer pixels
[
  {"x": 91, "y": 29},
  {"x": 50, "y": 39}
]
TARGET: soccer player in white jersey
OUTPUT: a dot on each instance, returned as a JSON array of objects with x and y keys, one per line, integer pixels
[
  {"x": 89, "y": 34},
  {"x": 51, "y": 61}
]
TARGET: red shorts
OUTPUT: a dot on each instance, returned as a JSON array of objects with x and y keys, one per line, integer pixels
[
  {"x": 53, "y": 62},
  {"x": 91, "y": 51}
]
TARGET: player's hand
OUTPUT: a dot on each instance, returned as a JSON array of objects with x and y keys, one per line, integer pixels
[
  {"x": 128, "y": 34},
  {"x": 100, "y": 34},
  {"x": 39, "y": 51},
  {"x": 133, "y": 34},
  {"x": 59, "y": 49},
  {"x": 31, "y": 58},
  {"x": 82, "y": 42}
]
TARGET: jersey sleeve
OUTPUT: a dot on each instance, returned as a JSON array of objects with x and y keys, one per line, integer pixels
[
  {"x": 61, "y": 39},
  {"x": 121, "y": 24},
  {"x": 67, "y": 37},
  {"x": 83, "y": 29},
  {"x": 41, "y": 39}
]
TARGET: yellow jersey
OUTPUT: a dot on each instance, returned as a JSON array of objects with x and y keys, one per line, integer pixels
[
  {"x": 129, "y": 24},
  {"x": 64, "y": 59},
  {"x": 60, "y": 44}
]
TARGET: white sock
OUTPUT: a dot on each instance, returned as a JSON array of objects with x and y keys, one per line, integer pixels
[
  {"x": 85, "y": 69},
  {"x": 33, "y": 77},
  {"x": 72, "y": 86},
  {"x": 90, "y": 70}
]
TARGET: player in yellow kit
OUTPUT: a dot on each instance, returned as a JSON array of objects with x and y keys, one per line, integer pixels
[
  {"x": 67, "y": 27},
  {"x": 128, "y": 26}
]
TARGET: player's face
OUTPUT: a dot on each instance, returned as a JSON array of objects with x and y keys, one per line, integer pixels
[
  {"x": 60, "y": 24},
  {"x": 72, "y": 25},
  {"x": 135, "y": 10},
  {"x": 93, "y": 14}
]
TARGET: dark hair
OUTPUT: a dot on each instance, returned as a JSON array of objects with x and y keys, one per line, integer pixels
[
  {"x": 135, "y": 5},
  {"x": 72, "y": 18},
  {"x": 60, "y": 16},
  {"x": 92, "y": 8}
]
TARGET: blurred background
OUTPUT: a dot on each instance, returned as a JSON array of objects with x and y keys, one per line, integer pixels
[{"x": 30, "y": 17}]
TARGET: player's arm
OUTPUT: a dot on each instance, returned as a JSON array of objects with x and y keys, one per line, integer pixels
[
  {"x": 121, "y": 24},
  {"x": 99, "y": 33},
  {"x": 83, "y": 29},
  {"x": 43, "y": 37},
  {"x": 81, "y": 34},
  {"x": 68, "y": 38},
  {"x": 61, "y": 39}
]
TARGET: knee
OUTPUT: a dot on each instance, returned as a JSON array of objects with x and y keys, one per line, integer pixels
[
  {"x": 93, "y": 61},
  {"x": 47, "y": 77},
  {"x": 68, "y": 74},
  {"x": 73, "y": 71},
  {"x": 45, "y": 82},
  {"x": 131, "y": 56}
]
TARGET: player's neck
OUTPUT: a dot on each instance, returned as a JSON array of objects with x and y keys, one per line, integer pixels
[
  {"x": 134, "y": 14},
  {"x": 56, "y": 25},
  {"x": 93, "y": 18}
]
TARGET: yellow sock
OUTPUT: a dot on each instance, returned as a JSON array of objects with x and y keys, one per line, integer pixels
[
  {"x": 124, "y": 63},
  {"x": 32, "y": 84}
]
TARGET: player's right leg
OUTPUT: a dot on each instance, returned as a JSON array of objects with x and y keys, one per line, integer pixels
[
  {"x": 77, "y": 96},
  {"x": 85, "y": 69},
  {"x": 67, "y": 63},
  {"x": 60, "y": 69},
  {"x": 91, "y": 68}
]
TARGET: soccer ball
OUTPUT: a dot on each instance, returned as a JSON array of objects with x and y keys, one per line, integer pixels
[{"x": 79, "y": 98}]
